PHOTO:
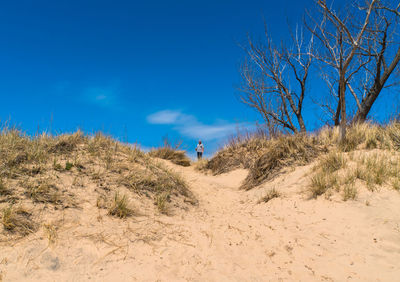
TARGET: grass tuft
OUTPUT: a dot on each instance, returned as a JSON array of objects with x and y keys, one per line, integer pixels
[
  {"x": 349, "y": 192},
  {"x": 332, "y": 162},
  {"x": 18, "y": 221},
  {"x": 161, "y": 201},
  {"x": 321, "y": 182},
  {"x": 51, "y": 232},
  {"x": 271, "y": 194},
  {"x": 120, "y": 206}
]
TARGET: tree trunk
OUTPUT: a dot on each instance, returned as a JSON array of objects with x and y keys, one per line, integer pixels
[
  {"x": 301, "y": 123},
  {"x": 337, "y": 115},
  {"x": 375, "y": 90},
  {"x": 342, "y": 100},
  {"x": 367, "y": 103}
]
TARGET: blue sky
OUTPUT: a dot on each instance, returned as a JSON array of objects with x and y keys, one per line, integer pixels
[{"x": 138, "y": 70}]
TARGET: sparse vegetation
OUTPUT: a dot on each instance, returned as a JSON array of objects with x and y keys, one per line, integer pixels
[
  {"x": 282, "y": 152},
  {"x": 321, "y": 182},
  {"x": 240, "y": 152},
  {"x": 349, "y": 192},
  {"x": 271, "y": 194},
  {"x": 68, "y": 166},
  {"x": 17, "y": 220},
  {"x": 171, "y": 152},
  {"x": 51, "y": 232},
  {"x": 371, "y": 169},
  {"x": 4, "y": 191},
  {"x": 266, "y": 157},
  {"x": 161, "y": 201},
  {"x": 332, "y": 162},
  {"x": 201, "y": 165},
  {"x": 167, "y": 153},
  {"x": 396, "y": 184},
  {"x": 48, "y": 170},
  {"x": 120, "y": 206},
  {"x": 42, "y": 190}
]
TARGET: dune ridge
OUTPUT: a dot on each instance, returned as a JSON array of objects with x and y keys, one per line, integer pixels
[{"x": 210, "y": 228}]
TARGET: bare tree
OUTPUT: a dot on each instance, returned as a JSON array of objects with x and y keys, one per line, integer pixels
[
  {"x": 340, "y": 40},
  {"x": 380, "y": 56},
  {"x": 274, "y": 80},
  {"x": 358, "y": 53}
]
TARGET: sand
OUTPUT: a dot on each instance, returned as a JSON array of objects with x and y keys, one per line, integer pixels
[{"x": 228, "y": 236}]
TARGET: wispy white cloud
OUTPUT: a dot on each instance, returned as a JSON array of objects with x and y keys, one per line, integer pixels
[
  {"x": 164, "y": 117},
  {"x": 189, "y": 126},
  {"x": 209, "y": 132},
  {"x": 101, "y": 96}
]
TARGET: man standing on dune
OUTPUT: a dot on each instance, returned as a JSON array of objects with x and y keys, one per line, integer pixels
[{"x": 200, "y": 150}]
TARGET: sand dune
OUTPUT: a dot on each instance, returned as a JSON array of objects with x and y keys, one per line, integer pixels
[{"x": 229, "y": 236}]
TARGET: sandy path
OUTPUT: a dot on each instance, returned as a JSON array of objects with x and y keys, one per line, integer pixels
[{"x": 227, "y": 237}]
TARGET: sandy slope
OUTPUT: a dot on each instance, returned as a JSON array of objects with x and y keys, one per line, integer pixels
[{"x": 227, "y": 237}]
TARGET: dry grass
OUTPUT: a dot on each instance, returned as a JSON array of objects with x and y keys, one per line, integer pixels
[
  {"x": 377, "y": 169},
  {"x": 120, "y": 206},
  {"x": 282, "y": 152},
  {"x": 367, "y": 169},
  {"x": 241, "y": 152},
  {"x": 4, "y": 190},
  {"x": 332, "y": 162},
  {"x": 161, "y": 201},
  {"x": 321, "y": 182},
  {"x": 201, "y": 165},
  {"x": 266, "y": 157},
  {"x": 171, "y": 153},
  {"x": 45, "y": 170},
  {"x": 349, "y": 192},
  {"x": 51, "y": 233},
  {"x": 176, "y": 156},
  {"x": 18, "y": 221},
  {"x": 271, "y": 194},
  {"x": 42, "y": 190},
  {"x": 155, "y": 178}
]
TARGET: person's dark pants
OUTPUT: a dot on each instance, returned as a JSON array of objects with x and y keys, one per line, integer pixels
[{"x": 199, "y": 155}]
